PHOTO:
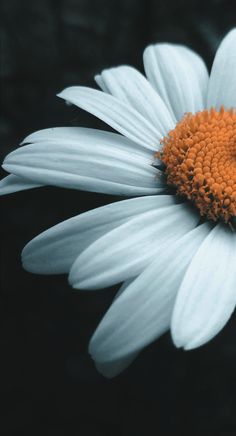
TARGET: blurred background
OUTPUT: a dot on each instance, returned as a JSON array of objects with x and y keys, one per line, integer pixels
[{"x": 49, "y": 384}]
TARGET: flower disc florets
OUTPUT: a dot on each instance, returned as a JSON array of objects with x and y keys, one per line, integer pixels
[{"x": 200, "y": 159}]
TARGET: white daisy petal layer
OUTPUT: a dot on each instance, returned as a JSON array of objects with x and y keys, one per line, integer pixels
[
  {"x": 143, "y": 312},
  {"x": 92, "y": 161},
  {"x": 207, "y": 295},
  {"x": 179, "y": 76},
  {"x": 77, "y": 135},
  {"x": 54, "y": 251},
  {"x": 124, "y": 252},
  {"x": 12, "y": 183},
  {"x": 130, "y": 86},
  {"x": 222, "y": 84},
  {"x": 114, "y": 367},
  {"x": 117, "y": 114}
]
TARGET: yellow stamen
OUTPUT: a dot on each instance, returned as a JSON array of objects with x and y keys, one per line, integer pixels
[{"x": 200, "y": 159}]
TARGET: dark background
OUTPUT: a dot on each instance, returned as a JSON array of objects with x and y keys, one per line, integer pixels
[{"x": 49, "y": 385}]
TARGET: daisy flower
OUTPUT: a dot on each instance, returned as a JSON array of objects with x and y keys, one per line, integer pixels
[{"x": 172, "y": 242}]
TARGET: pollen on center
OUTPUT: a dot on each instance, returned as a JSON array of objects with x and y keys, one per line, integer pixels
[{"x": 200, "y": 160}]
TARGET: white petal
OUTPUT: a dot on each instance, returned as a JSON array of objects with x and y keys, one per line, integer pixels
[
  {"x": 114, "y": 367},
  {"x": 124, "y": 252},
  {"x": 100, "y": 82},
  {"x": 222, "y": 84},
  {"x": 78, "y": 134},
  {"x": 143, "y": 312},
  {"x": 116, "y": 113},
  {"x": 54, "y": 251},
  {"x": 207, "y": 295},
  {"x": 124, "y": 285},
  {"x": 93, "y": 160},
  {"x": 130, "y": 86},
  {"x": 12, "y": 183},
  {"x": 179, "y": 76}
]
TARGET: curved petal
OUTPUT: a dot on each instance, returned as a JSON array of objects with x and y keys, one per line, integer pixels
[
  {"x": 54, "y": 251},
  {"x": 93, "y": 161},
  {"x": 130, "y": 86},
  {"x": 179, "y": 76},
  {"x": 207, "y": 295},
  {"x": 143, "y": 312},
  {"x": 12, "y": 183},
  {"x": 124, "y": 252},
  {"x": 222, "y": 85},
  {"x": 100, "y": 82},
  {"x": 115, "y": 113},
  {"x": 78, "y": 134},
  {"x": 114, "y": 367}
]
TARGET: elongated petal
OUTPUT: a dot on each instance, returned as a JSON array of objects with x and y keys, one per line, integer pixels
[
  {"x": 54, "y": 251},
  {"x": 207, "y": 295},
  {"x": 114, "y": 367},
  {"x": 95, "y": 161},
  {"x": 117, "y": 114},
  {"x": 143, "y": 312},
  {"x": 78, "y": 134},
  {"x": 124, "y": 252},
  {"x": 179, "y": 76},
  {"x": 12, "y": 183},
  {"x": 222, "y": 85},
  {"x": 130, "y": 86}
]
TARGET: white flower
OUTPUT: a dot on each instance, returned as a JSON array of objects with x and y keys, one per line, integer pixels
[{"x": 177, "y": 269}]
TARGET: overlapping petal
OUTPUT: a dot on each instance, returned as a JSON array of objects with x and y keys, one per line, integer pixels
[
  {"x": 116, "y": 113},
  {"x": 179, "y": 76},
  {"x": 54, "y": 251},
  {"x": 130, "y": 86},
  {"x": 143, "y": 312},
  {"x": 207, "y": 295},
  {"x": 75, "y": 134},
  {"x": 222, "y": 84},
  {"x": 90, "y": 160},
  {"x": 124, "y": 252}
]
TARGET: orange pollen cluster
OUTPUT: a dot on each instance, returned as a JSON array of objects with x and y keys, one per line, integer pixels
[{"x": 200, "y": 159}]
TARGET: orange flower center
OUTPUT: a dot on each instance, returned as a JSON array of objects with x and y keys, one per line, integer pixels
[{"x": 200, "y": 159}]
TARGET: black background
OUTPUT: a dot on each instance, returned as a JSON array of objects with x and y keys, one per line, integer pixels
[{"x": 49, "y": 385}]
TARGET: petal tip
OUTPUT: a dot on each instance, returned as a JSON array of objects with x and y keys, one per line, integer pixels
[
  {"x": 75, "y": 283},
  {"x": 177, "y": 342},
  {"x": 60, "y": 94},
  {"x": 177, "y": 336},
  {"x": 190, "y": 346},
  {"x": 104, "y": 369},
  {"x": 63, "y": 92}
]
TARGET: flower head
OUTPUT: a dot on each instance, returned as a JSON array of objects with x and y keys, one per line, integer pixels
[
  {"x": 200, "y": 158},
  {"x": 173, "y": 246}
]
